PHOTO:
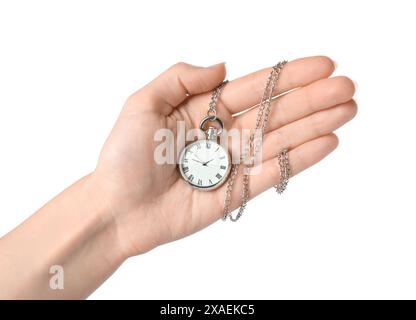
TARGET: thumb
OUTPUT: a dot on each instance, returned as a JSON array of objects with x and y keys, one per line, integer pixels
[{"x": 181, "y": 80}]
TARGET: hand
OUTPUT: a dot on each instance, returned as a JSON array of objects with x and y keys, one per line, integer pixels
[{"x": 151, "y": 204}]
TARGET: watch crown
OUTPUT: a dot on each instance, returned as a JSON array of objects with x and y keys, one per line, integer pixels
[{"x": 211, "y": 133}]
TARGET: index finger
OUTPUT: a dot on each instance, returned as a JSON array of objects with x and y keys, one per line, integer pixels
[{"x": 245, "y": 92}]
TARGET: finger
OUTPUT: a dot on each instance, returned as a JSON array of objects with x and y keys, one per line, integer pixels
[
  {"x": 178, "y": 82},
  {"x": 309, "y": 128},
  {"x": 246, "y": 92},
  {"x": 302, "y": 102},
  {"x": 300, "y": 158},
  {"x": 268, "y": 173}
]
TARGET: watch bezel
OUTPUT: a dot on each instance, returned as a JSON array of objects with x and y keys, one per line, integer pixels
[{"x": 216, "y": 185}]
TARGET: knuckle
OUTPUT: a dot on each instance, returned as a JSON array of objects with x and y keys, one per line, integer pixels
[
  {"x": 281, "y": 112},
  {"x": 316, "y": 124},
  {"x": 140, "y": 99},
  {"x": 298, "y": 162},
  {"x": 308, "y": 101},
  {"x": 133, "y": 98},
  {"x": 179, "y": 66},
  {"x": 283, "y": 139},
  {"x": 256, "y": 84}
]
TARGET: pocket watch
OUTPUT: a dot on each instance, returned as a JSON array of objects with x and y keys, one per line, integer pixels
[{"x": 205, "y": 164}]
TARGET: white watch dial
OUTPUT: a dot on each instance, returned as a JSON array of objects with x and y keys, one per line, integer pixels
[{"x": 204, "y": 164}]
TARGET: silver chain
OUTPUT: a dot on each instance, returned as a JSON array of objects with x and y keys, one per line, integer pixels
[
  {"x": 285, "y": 171},
  {"x": 262, "y": 120},
  {"x": 212, "y": 111}
]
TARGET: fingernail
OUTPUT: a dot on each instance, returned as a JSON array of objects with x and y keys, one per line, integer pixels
[
  {"x": 355, "y": 85},
  {"x": 335, "y": 64},
  {"x": 217, "y": 64}
]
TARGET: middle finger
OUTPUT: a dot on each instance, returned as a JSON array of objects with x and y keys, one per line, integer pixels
[{"x": 294, "y": 105}]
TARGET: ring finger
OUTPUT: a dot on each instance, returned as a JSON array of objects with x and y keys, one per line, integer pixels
[{"x": 309, "y": 128}]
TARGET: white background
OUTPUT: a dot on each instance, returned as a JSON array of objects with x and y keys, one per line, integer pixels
[{"x": 346, "y": 228}]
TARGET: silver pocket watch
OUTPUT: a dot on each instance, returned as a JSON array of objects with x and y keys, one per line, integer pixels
[{"x": 205, "y": 164}]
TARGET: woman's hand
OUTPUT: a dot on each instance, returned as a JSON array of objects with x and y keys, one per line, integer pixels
[
  {"x": 130, "y": 204},
  {"x": 151, "y": 204}
]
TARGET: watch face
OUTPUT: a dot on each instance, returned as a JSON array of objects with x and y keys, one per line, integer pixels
[{"x": 204, "y": 164}]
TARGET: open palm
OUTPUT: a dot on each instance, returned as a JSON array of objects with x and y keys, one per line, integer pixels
[{"x": 151, "y": 203}]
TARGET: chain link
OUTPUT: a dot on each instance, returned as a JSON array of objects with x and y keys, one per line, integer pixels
[
  {"x": 262, "y": 120},
  {"x": 212, "y": 111},
  {"x": 285, "y": 171}
]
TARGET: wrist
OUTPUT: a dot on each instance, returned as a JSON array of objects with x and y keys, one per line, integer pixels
[
  {"x": 104, "y": 212},
  {"x": 122, "y": 217},
  {"x": 134, "y": 228},
  {"x": 75, "y": 231}
]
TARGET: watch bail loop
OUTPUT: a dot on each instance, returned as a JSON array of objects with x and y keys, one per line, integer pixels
[{"x": 212, "y": 132}]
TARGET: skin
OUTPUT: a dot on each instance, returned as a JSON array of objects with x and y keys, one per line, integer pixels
[{"x": 130, "y": 205}]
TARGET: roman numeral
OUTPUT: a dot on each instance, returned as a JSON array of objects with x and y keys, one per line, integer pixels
[
  {"x": 217, "y": 149},
  {"x": 198, "y": 146},
  {"x": 208, "y": 145},
  {"x": 191, "y": 178},
  {"x": 222, "y": 167},
  {"x": 185, "y": 169},
  {"x": 223, "y": 157},
  {"x": 199, "y": 182},
  {"x": 210, "y": 182},
  {"x": 218, "y": 176}
]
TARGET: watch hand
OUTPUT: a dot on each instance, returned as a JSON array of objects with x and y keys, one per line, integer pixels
[
  {"x": 197, "y": 161},
  {"x": 205, "y": 163}
]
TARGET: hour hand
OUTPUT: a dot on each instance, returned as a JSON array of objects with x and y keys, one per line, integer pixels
[{"x": 205, "y": 163}]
